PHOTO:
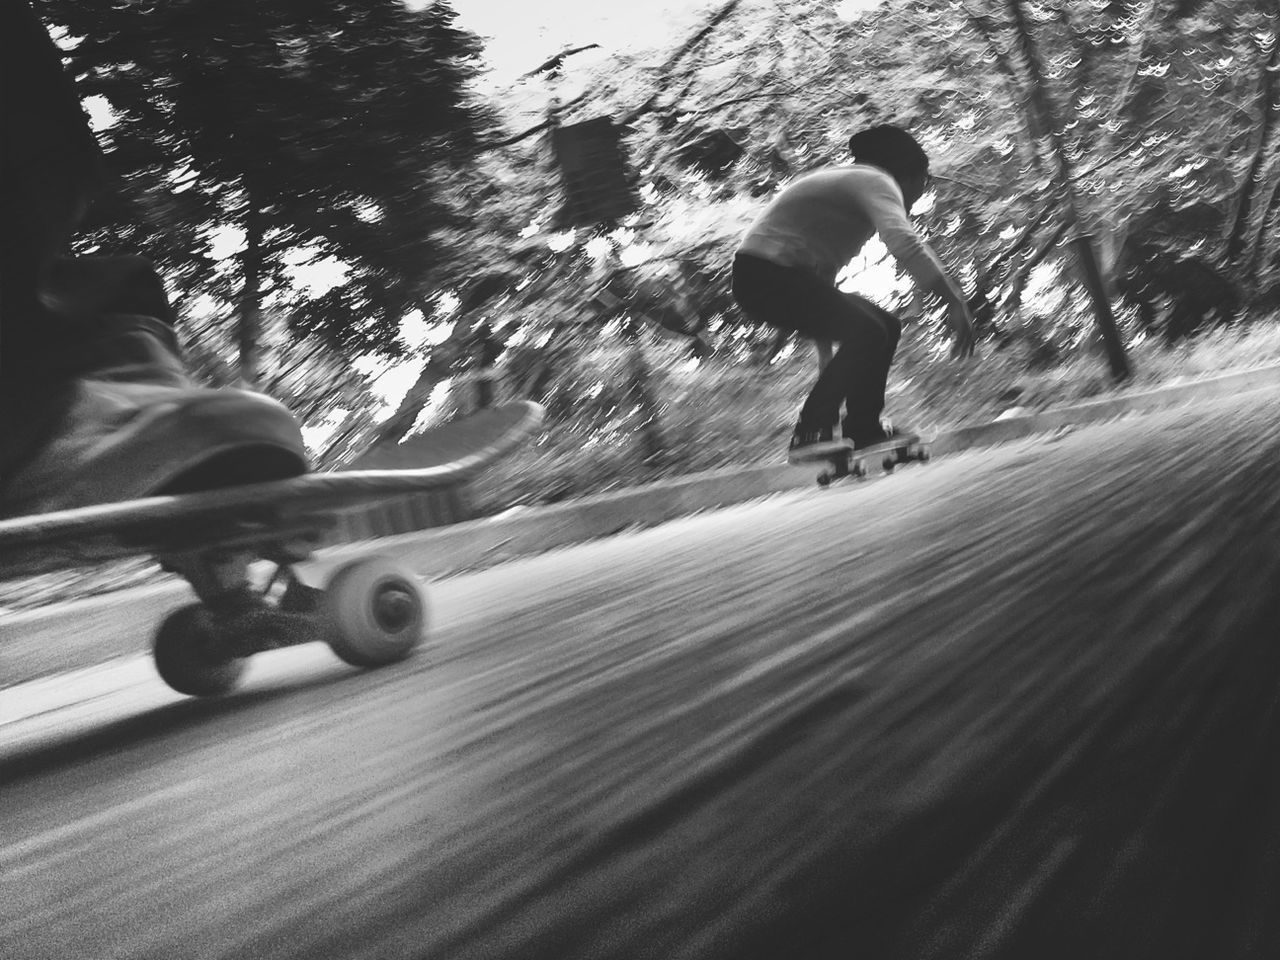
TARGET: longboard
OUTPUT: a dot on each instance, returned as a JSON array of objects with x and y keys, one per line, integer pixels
[
  {"x": 843, "y": 460},
  {"x": 371, "y": 612}
]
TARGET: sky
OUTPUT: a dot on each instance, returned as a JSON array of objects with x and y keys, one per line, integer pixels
[{"x": 521, "y": 34}]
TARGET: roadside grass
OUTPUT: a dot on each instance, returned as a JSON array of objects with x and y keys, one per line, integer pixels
[{"x": 719, "y": 415}]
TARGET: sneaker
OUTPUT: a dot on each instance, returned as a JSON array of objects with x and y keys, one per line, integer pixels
[
  {"x": 122, "y": 420},
  {"x": 869, "y": 436},
  {"x": 815, "y": 440}
]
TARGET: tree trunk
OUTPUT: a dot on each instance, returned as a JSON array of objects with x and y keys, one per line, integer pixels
[
  {"x": 1262, "y": 236},
  {"x": 487, "y": 351},
  {"x": 396, "y": 427},
  {"x": 1270, "y": 110},
  {"x": 1086, "y": 255},
  {"x": 986, "y": 31},
  {"x": 250, "y": 319},
  {"x": 652, "y": 444}
]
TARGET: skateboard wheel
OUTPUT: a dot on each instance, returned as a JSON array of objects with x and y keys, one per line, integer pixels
[
  {"x": 373, "y": 612},
  {"x": 824, "y": 479},
  {"x": 187, "y": 656},
  {"x": 888, "y": 463}
]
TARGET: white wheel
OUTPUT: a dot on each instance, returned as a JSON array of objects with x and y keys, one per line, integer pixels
[
  {"x": 373, "y": 612},
  {"x": 188, "y": 658}
]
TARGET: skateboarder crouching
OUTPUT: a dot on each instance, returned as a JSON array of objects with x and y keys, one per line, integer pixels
[{"x": 785, "y": 268}]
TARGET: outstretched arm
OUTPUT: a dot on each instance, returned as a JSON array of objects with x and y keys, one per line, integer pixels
[
  {"x": 959, "y": 318},
  {"x": 885, "y": 207}
]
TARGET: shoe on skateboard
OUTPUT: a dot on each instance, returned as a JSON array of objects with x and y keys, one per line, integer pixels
[{"x": 809, "y": 443}]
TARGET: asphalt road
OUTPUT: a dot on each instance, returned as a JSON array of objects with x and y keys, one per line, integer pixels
[{"x": 1012, "y": 704}]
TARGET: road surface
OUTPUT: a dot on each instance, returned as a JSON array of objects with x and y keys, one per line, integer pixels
[{"x": 1016, "y": 704}]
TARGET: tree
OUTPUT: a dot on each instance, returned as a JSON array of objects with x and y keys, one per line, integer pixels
[
  {"x": 1157, "y": 120},
  {"x": 1047, "y": 120},
  {"x": 314, "y": 129}
]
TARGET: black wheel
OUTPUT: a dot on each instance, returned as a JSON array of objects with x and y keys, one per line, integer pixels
[
  {"x": 190, "y": 659},
  {"x": 923, "y": 455},
  {"x": 373, "y": 612},
  {"x": 889, "y": 463},
  {"x": 825, "y": 478}
]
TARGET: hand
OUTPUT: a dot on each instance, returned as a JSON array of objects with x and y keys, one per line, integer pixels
[{"x": 959, "y": 318}]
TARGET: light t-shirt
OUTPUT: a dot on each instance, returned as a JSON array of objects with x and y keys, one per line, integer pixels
[{"x": 821, "y": 220}]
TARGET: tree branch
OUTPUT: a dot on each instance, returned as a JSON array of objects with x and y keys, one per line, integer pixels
[
  {"x": 556, "y": 62},
  {"x": 1004, "y": 64},
  {"x": 1019, "y": 277},
  {"x": 764, "y": 95},
  {"x": 545, "y": 125},
  {"x": 687, "y": 47},
  {"x": 1022, "y": 242},
  {"x": 1121, "y": 151}
]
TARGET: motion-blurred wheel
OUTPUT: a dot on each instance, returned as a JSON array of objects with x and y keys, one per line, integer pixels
[
  {"x": 188, "y": 658},
  {"x": 373, "y": 612}
]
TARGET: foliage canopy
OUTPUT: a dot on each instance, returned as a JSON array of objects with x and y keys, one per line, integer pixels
[{"x": 352, "y": 130}]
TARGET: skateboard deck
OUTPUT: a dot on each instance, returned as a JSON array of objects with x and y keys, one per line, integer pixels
[
  {"x": 842, "y": 460},
  {"x": 372, "y": 611}
]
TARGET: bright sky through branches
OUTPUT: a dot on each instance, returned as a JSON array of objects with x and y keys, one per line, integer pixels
[{"x": 521, "y": 34}]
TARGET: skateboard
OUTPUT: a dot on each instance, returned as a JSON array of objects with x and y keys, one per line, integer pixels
[
  {"x": 843, "y": 460},
  {"x": 371, "y": 612}
]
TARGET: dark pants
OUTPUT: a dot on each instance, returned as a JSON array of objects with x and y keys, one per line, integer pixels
[{"x": 794, "y": 300}]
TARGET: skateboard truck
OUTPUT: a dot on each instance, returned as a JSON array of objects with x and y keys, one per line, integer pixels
[{"x": 372, "y": 612}]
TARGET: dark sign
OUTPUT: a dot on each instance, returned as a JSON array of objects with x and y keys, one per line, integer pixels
[{"x": 594, "y": 169}]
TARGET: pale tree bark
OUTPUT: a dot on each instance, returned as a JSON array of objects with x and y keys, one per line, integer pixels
[
  {"x": 1269, "y": 107},
  {"x": 1087, "y": 256},
  {"x": 1114, "y": 231}
]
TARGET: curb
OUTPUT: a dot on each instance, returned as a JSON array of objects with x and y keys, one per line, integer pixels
[
  {"x": 1094, "y": 411},
  {"x": 91, "y": 631}
]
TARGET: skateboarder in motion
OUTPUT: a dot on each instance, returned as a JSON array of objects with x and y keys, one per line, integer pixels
[{"x": 785, "y": 269}]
